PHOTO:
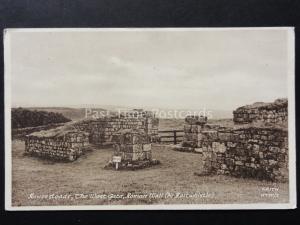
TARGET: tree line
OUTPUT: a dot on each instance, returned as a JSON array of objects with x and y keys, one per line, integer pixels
[{"x": 31, "y": 118}]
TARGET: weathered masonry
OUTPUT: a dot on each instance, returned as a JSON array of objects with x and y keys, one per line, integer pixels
[
  {"x": 134, "y": 149},
  {"x": 274, "y": 113},
  {"x": 132, "y": 145},
  {"x": 64, "y": 143},
  {"x": 102, "y": 130},
  {"x": 67, "y": 142},
  {"x": 258, "y": 150}
]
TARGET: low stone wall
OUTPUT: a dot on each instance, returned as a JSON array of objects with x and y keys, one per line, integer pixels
[
  {"x": 102, "y": 130},
  {"x": 242, "y": 151},
  {"x": 274, "y": 113},
  {"x": 65, "y": 145},
  {"x": 67, "y": 142}
]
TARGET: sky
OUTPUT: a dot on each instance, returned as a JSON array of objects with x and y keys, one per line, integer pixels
[{"x": 217, "y": 69}]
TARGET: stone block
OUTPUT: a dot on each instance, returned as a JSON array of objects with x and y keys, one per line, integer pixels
[
  {"x": 239, "y": 163},
  {"x": 199, "y": 150},
  {"x": 210, "y": 135},
  {"x": 138, "y": 156},
  {"x": 223, "y": 166},
  {"x": 147, "y": 147},
  {"x": 225, "y": 136},
  {"x": 272, "y": 162},
  {"x": 218, "y": 147},
  {"x": 137, "y": 148},
  {"x": 195, "y": 128},
  {"x": 274, "y": 149},
  {"x": 231, "y": 144}
]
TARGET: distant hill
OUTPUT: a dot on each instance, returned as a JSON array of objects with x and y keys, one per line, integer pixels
[
  {"x": 80, "y": 112},
  {"x": 175, "y": 114},
  {"x": 22, "y": 118},
  {"x": 71, "y": 113},
  {"x": 221, "y": 114},
  {"x": 171, "y": 124}
]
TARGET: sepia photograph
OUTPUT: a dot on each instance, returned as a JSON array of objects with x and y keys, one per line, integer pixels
[{"x": 149, "y": 118}]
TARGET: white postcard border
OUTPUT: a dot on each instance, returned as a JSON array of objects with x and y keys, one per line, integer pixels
[{"x": 291, "y": 127}]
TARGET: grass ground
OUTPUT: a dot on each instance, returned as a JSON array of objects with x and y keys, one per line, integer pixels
[
  {"x": 34, "y": 178},
  {"x": 171, "y": 124}
]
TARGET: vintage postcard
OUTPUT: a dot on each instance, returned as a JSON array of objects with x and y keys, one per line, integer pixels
[{"x": 152, "y": 118}]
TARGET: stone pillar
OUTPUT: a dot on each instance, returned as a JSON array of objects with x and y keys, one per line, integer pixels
[
  {"x": 192, "y": 128},
  {"x": 134, "y": 148}
]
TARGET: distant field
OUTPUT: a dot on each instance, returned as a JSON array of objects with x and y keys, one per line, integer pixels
[
  {"x": 175, "y": 174},
  {"x": 71, "y": 113},
  {"x": 79, "y": 113},
  {"x": 177, "y": 124},
  {"x": 171, "y": 124}
]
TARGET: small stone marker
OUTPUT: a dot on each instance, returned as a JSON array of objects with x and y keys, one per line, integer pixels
[{"x": 117, "y": 160}]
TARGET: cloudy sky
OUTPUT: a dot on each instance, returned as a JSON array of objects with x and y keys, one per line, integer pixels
[{"x": 171, "y": 69}]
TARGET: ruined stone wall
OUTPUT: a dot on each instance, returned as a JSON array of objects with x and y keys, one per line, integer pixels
[
  {"x": 246, "y": 152},
  {"x": 67, "y": 142},
  {"x": 101, "y": 130},
  {"x": 274, "y": 113},
  {"x": 242, "y": 151},
  {"x": 68, "y": 146}
]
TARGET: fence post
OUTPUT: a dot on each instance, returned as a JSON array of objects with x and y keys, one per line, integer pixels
[{"x": 175, "y": 141}]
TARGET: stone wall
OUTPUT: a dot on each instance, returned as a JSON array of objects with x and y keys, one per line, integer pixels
[
  {"x": 245, "y": 151},
  {"x": 57, "y": 144},
  {"x": 67, "y": 142},
  {"x": 102, "y": 130},
  {"x": 260, "y": 153},
  {"x": 274, "y": 113},
  {"x": 254, "y": 145}
]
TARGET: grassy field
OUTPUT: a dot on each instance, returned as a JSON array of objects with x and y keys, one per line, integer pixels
[
  {"x": 38, "y": 182},
  {"x": 171, "y": 124}
]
